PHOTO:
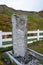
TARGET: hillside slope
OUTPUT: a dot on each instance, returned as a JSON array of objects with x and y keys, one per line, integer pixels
[
  {"x": 5, "y": 23},
  {"x": 35, "y": 19}
]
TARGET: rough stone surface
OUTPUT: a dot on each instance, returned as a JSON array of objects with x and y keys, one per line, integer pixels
[
  {"x": 19, "y": 24},
  {"x": 34, "y": 62}
]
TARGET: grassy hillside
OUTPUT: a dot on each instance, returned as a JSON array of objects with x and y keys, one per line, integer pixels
[
  {"x": 35, "y": 19},
  {"x": 9, "y": 11},
  {"x": 5, "y": 22}
]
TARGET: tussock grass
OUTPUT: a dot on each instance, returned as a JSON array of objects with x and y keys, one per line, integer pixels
[{"x": 37, "y": 46}]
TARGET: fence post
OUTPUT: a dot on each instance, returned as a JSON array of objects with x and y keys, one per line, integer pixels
[
  {"x": 38, "y": 34},
  {"x": 0, "y": 38}
]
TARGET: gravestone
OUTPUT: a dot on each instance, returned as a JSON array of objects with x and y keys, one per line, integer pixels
[{"x": 19, "y": 30}]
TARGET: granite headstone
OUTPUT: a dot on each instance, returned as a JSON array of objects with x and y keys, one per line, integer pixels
[{"x": 19, "y": 31}]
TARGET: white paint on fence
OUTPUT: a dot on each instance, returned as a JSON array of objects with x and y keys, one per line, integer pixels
[
  {"x": 29, "y": 42},
  {"x": 6, "y": 39},
  {"x": 7, "y": 33},
  {"x": 38, "y": 34},
  {"x": 29, "y": 32},
  {"x": 38, "y": 37},
  {"x": 8, "y": 45},
  {"x": 0, "y": 38},
  {"x": 31, "y": 37},
  {"x": 41, "y": 36}
]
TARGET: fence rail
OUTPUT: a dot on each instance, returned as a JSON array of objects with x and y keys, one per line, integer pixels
[
  {"x": 6, "y": 39},
  {"x": 37, "y": 37},
  {"x": 6, "y": 33}
]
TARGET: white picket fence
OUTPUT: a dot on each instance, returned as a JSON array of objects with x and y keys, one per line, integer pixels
[{"x": 38, "y": 37}]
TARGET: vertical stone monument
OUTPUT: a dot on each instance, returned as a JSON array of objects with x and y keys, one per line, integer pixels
[{"x": 19, "y": 31}]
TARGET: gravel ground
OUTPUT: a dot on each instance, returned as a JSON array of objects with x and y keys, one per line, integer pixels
[{"x": 34, "y": 62}]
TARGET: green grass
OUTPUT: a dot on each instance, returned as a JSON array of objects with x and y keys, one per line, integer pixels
[
  {"x": 9, "y": 42},
  {"x": 5, "y": 49},
  {"x": 37, "y": 46},
  {"x": 41, "y": 62},
  {"x": 5, "y": 56},
  {"x": 35, "y": 21}
]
